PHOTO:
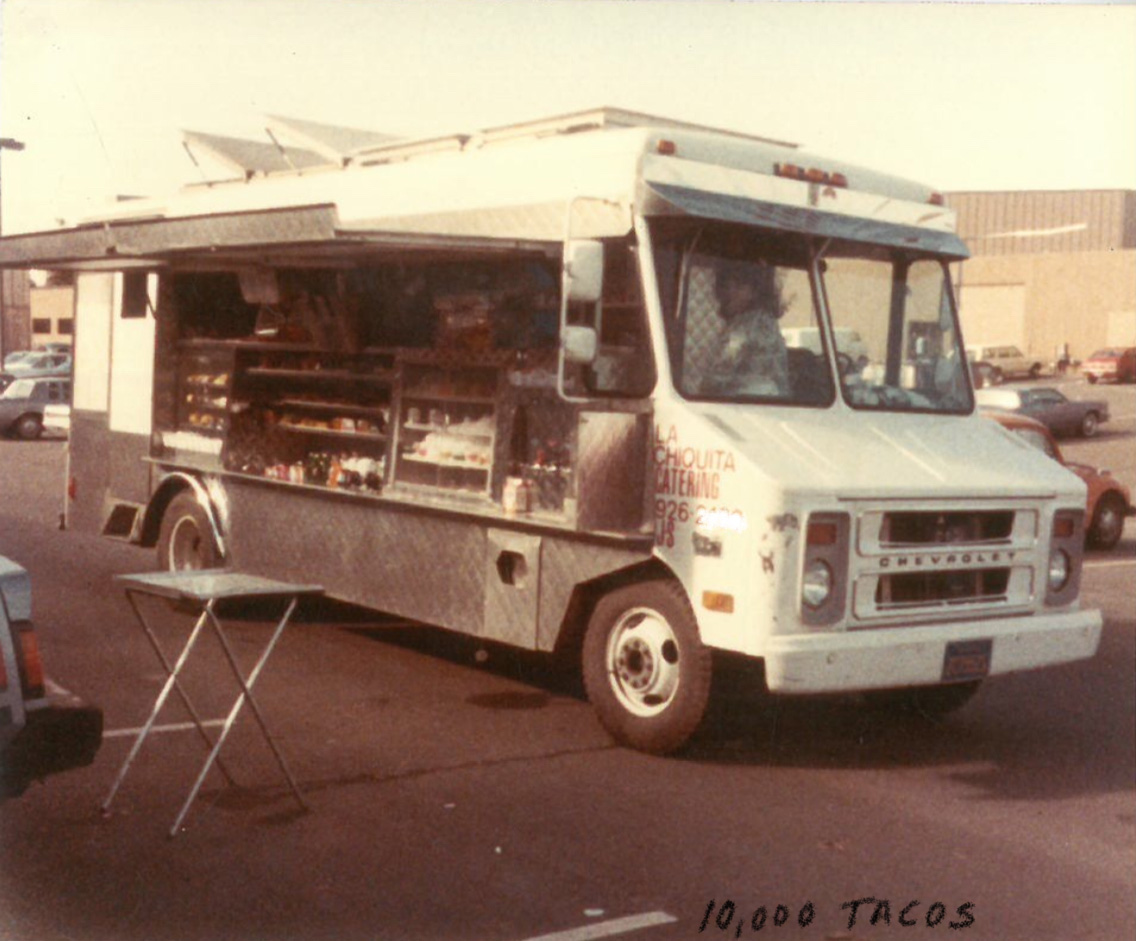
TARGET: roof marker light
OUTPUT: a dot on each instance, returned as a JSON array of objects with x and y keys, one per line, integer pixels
[
  {"x": 667, "y": 148},
  {"x": 937, "y": 199},
  {"x": 811, "y": 175}
]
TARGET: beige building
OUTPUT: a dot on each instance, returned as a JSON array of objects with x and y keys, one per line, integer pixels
[
  {"x": 52, "y": 314},
  {"x": 1048, "y": 268}
]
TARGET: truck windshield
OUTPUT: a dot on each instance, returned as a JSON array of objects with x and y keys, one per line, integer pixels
[
  {"x": 894, "y": 329},
  {"x": 744, "y": 325}
]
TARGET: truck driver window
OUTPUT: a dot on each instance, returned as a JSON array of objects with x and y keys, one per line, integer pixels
[
  {"x": 744, "y": 327},
  {"x": 624, "y": 365}
]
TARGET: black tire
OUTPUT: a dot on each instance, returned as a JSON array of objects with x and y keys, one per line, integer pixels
[
  {"x": 1035, "y": 370},
  {"x": 1108, "y": 522},
  {"x": 1089, "y": 425},
  {"x": 996, "y": 377},
  {"x": 186, "y": 540},
  {"x": 1092, "y": 379},
  {"x": 646, "y": 670},
  {"x": 28, "y": 427}
]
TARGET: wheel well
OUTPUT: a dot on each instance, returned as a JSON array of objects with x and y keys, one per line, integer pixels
[
  {"x": 156, "y": 509},
  {"x": 585, "y": 595}
]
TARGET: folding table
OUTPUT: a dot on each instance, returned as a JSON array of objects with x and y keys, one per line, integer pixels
[{"x": 201, "y": 591}]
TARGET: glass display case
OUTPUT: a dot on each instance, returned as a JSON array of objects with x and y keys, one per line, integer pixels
[{"x": 447, "y": 428}]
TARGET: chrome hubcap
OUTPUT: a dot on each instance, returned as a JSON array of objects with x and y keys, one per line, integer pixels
[
  {"x": 643, "y": 662},
  {"x": 186, "y": 546}
]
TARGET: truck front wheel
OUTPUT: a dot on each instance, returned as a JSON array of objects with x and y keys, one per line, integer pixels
[
  {"x": 186, "y": 540},
  {"x": 646, "y": 670}
]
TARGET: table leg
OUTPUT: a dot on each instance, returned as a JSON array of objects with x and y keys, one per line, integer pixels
[
  {"x": 177, "y": 685},
  {"x": 246, "y": 693},
  {"x": 171, "y": 681}
]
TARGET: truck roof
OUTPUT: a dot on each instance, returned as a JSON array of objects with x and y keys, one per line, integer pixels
[{"x": 518, "y": 183}]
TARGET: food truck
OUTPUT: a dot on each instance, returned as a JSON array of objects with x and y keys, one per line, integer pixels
[{"x": 545, "y": 385}]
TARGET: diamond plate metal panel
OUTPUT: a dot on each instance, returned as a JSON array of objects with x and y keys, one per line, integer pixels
[
  {"x": 407, "y": 562},
  {"x": 512, "y": 583},
  {"x": 564, "y": 564},
  {"x": 611, "y": 470},
  {"x": 703, "y": 327}
]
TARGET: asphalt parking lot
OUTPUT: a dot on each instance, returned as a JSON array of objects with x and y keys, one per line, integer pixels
[{"x": 462, "y": 792}]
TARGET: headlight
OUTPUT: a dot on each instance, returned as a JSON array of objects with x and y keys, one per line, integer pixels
[
  {"x": 1058, "y": 569},
  {"x": 816, "y": 585}
]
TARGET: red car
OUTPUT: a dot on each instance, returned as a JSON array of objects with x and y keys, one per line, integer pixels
[
  {"x": 1116, "y": 364},
  {"x": 1109, "y": 501}
]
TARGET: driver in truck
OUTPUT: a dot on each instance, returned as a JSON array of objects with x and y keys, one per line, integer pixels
[{"x": 750, "y": 354}]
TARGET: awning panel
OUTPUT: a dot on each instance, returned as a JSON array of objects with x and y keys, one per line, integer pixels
[{"x": 157, "y": 240}]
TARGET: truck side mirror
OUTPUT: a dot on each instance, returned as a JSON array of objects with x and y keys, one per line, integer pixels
[
  {"x": 583, "y": 270},
  {"x": 579, "y": 345}
]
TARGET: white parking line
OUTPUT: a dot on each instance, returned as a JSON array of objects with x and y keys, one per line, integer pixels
[
  {"x": 1110, "y": 564},
  {"x": 605, "y": 929},
  {"x": 173, "y": 727}
]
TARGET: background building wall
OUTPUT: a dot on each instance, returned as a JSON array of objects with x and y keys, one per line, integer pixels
[
  {"x": 1085, "y": 299},
  {"x": 1048, "y": 268},
  {"x": 1046, "y": 221},
  {"x": 52, "y": 314}
]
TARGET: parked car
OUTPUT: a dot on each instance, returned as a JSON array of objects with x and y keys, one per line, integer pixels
[
  {"x": 41, "y": 364},
  {"x": 17, "y": 356},
  {"x": 43, "y": 728},
  {"x": 1004, "y": 362},
  {"x": 23, "y": 402},
  {"x": 1061, "y": 415},
  {"x": 1115, "y": 364},
  {"x": 1109, "y": 501}
]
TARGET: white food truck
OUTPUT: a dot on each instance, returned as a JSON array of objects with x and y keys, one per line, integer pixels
[{"x": 531, "y": 384}]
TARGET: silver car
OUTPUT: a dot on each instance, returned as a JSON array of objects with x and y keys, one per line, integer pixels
[
  {"x": 23, "y": 402},
  {"x": 40, "y": 364},
  {"x": 43, "y": 728}
]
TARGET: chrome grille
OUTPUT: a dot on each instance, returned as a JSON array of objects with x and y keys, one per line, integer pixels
[
  {"x": 920, "y": 528},
  {"x": 915, "y": 565},
  {"x": 919, "y": 589}
]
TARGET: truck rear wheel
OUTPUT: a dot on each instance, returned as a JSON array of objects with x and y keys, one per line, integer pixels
[
  {"x": 646, "y": 670},
  {"x": 186, "y": 540}
]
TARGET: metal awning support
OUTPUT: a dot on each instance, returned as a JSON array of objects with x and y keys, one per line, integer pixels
[
  {"x": 729, "y": 208},
  {"x": 132, "y": 242}
]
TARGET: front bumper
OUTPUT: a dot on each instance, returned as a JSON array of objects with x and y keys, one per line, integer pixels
[
  {"x": 62, "y": 734},
  {"x": 889, "y": 657}
]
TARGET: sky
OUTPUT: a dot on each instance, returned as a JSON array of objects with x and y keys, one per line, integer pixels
[{"x": 965, "y": 96}]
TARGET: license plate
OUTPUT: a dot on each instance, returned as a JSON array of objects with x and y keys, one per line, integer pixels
[{"x": 967, "y": 660}]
